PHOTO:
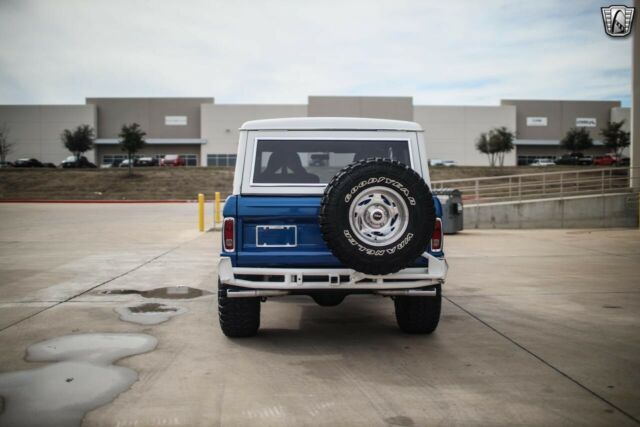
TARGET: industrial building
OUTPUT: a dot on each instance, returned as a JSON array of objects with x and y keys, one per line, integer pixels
[{"x": 206, "y": 133}]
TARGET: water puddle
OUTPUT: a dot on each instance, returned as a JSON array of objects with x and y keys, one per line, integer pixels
[
  {"x": 149, "y": 313},
  {"x": 170, "y": 292},
  {"x": 82, "y": 378}
]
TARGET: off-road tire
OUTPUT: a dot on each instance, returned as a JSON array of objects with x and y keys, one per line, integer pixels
[
  {"x": 345, "y": 187},
  {"x": 239, "y": 317},
  {"x": 328, "y": 299},
  {"x": 418, "y": 315}
]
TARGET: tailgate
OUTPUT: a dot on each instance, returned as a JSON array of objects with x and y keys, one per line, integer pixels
[{"x": 281, "y": 232}]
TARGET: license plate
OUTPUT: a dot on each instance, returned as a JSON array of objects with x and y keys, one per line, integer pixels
[{"x": 276, "y": 236}]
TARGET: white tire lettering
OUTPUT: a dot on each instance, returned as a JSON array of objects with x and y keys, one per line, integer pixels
[{"x": 379, "y": 252}]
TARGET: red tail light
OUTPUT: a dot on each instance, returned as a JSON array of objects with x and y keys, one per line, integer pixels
[
  {"x": 436, "y": 238},
  {"x": 228, "y": 234}
]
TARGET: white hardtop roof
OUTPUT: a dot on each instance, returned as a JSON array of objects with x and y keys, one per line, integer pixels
[{"x": 330, "y": 123}]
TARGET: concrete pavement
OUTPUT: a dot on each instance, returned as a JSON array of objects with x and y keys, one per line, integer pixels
[{"x": 539, "y": 327}]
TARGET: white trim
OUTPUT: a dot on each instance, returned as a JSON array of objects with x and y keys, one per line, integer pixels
[
  {"x": 331, "y": 123},
  {"x": 435, "y": 274}
]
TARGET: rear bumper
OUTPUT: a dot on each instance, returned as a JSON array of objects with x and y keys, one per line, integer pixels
[{"x": 301, "y": 279}]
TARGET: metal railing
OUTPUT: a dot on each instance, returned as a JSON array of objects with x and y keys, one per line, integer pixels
[{"x": 542, "y": 185}]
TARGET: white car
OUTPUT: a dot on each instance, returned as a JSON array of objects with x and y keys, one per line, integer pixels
[
  {"x": 438, "y": 162},
  {"x": 543, "y": 163}
]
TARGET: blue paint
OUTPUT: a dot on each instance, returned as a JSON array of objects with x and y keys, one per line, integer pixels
[{"x": 299, "y": 211}]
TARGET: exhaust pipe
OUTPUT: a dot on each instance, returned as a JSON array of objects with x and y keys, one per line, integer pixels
[{"x": 231, "y": 293}]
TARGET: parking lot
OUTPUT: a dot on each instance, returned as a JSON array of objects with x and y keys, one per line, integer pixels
[{"x": 539, "y": 327}]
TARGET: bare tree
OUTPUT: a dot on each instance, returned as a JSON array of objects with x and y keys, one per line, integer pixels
[{"x": 5, "y": 146}]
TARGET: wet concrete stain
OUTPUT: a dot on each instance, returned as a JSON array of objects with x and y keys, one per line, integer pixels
[
  {"x": 169, "y": 292},
  {"x": 400, "y": 421},
  {"x": 149, "y": 313},
  {"x": 152, "y": 307},
  {"x": 82, "y": 377}
]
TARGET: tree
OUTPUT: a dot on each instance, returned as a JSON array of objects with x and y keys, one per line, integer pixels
[
  {"x": 577, "y": 139},
  {"x": 503, "y": 141},
  {"x": 495, "y": 144},
  {"x": 483, "y": 144},
  {"x": 79, "y": 140},
  {"x": 131, "y": 141},
  {"x": 5, "y": 146},
  {"x": 615, "y": 138}
]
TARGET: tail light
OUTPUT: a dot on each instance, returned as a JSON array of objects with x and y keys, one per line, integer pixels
[
  {"x": 228, "y": 234},
  {"x": 436, "y": 238}
]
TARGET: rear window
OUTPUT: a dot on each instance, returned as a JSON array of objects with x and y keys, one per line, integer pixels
[{"x": 317, "y": 161}]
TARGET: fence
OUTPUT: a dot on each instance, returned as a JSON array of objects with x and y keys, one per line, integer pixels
[{"x": 542, "y": 185}]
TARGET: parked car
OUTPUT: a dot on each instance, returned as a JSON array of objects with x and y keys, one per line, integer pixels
[
  {"x": 604, "y": 160},
  {"x": 569, "y": 159},
  {"x": 147, "y": 161},
  {"x": 438, "y": 162},
  {"x": 358, "y": 225},
  {"x": 72, "y": 163},
  {"x": 585, "y": 160},
  {"x": 113, "y": 164},
  {"x": 172, "y": 160},
  {"x": 542, "y": 163},
  {"x": 28, "y": 163},
  {"x": 125, "y": 163},
  {"x": 6, "y": 164}
]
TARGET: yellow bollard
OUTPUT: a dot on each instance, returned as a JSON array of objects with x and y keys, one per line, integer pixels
[
  {"x": 217, "y": 212},
  {"x": 201, "y": 212}
]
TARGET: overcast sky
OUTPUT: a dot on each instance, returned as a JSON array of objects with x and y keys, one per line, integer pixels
[{"x": 473, "y": 52}]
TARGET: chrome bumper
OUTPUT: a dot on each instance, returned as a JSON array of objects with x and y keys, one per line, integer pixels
[{"x": 297, "y": 279}]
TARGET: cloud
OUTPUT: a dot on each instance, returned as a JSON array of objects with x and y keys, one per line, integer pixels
[{"x": 281, "y": 51}]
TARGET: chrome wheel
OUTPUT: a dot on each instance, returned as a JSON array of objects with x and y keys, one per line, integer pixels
[{"x": 378, "y": 216}]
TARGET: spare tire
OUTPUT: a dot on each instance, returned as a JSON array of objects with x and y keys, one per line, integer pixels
[{"x": 377, "y": 216}]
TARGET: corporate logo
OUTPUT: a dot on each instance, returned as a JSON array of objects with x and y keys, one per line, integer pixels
[{"x": 617, "y": 20}]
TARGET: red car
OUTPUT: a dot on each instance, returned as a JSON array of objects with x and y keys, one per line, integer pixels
[
  {"x": 172, "y": 160},
  {"x": 604, "y": 161}
]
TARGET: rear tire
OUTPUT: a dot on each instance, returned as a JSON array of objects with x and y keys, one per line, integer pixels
[
  {"x": 239, "y": 317},
  {"x": 418, "y": 315},
  {"x": 328, "y": 300}
]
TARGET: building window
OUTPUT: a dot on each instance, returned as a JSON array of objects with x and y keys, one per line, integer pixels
[
  {"x": 527, "y": 160},
  {"x": 221, "y": 159},
  {"x": 190, "y": 159}
]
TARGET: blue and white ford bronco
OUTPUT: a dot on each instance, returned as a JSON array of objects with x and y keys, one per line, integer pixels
[{"x": 329, "y": 207}]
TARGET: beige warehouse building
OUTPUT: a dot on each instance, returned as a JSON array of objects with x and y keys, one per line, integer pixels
[{"x": 206, "y": 133}]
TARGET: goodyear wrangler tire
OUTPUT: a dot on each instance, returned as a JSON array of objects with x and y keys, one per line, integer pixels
[{"x": 377, "y": 216}]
